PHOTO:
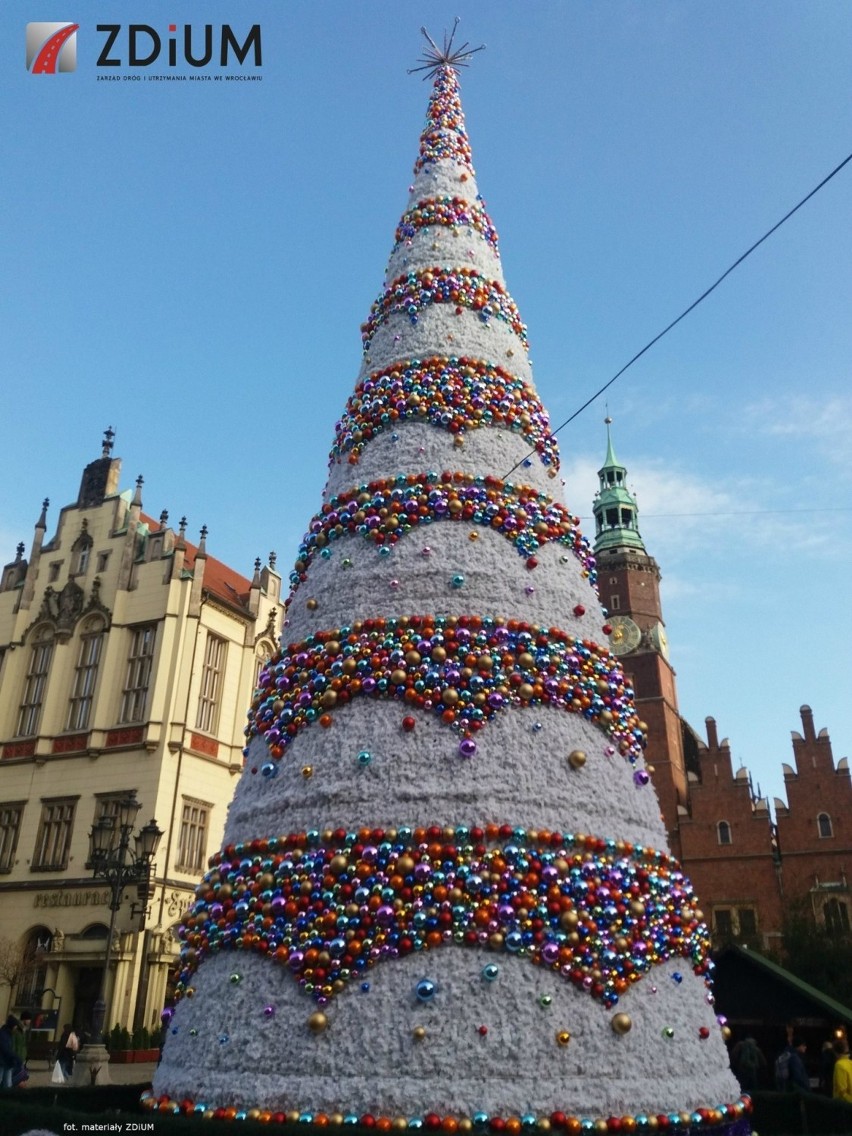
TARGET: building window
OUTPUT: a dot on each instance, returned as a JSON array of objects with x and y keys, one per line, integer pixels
[
  {"x": 103, "y": 561},
  {"x": 139, "y": 662},
  {"x": 54, "y": 834},
  {"x": 723, "y": 922},
  {"x": 747, "y": 919},
  {"x": 10, "y": 826},
  {"x": 723, "y": 832},
  {"x": 33, "y": 978},
  {"x": 192, "y": 845},
  {"x": 40, "y": 658},
  {"x": 614, "y": 603},
  {"x": 85, "y": 678},
  {"x": 53, "y": 572},
  {"x": 211, "y": 684},
  {"x": 836, "y": 914},
  {"x": 824, "y": 826},
  {"x": 107, "y": 807}
]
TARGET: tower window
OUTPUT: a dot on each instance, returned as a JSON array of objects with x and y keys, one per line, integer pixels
[
  {"x": 612, "y": 517},
  {"x": 614, "y": 603},
  {"x": 627, "y": 517},
  {"x": 723, "y": 832},
  {"x": 824, "y": 826}
]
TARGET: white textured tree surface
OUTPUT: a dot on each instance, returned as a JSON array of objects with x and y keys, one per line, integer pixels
[{"x": 445, "y": 890}]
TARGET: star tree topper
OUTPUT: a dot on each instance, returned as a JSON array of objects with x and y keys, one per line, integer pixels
[{"x": 434, "y": 57}]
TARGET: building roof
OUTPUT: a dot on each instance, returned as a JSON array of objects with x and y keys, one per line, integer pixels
[
  {"x": 760, "y": 988},
  {"x": 219, "y": 579}
]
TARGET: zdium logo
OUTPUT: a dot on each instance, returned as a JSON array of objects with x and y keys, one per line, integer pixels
[{"x": 51, "y": 48}]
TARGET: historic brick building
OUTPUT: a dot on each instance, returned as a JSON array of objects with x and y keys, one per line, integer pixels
[{"x": 746, "y": 868}]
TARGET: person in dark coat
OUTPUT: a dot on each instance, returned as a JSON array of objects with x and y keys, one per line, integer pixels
[
  {"x": 748, "y": 1063},
  {"x": 69, "y": 1043},
  {"x": 790, "y": 1071},
  {"x": 11, "y": 1066}
]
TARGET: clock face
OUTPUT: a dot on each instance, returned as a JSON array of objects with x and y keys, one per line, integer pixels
[
  {"x": 660, "y": 640},
  {"x": 625, "y": 635}
]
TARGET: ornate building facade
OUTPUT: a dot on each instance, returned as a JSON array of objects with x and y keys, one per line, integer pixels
[
  {"x": 748, "y": 870},
  {"x": 128, "y": 657}
]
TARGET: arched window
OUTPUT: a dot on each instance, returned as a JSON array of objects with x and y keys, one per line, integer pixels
[
  {"x": 824, "y": 826},
  {"x": 723, "y": 832},
  {"x": 836, "y": 915},
  {"x": 33, "y": 974}
]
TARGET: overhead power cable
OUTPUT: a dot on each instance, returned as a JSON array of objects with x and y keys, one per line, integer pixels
[{"x": 686, "y": 311}]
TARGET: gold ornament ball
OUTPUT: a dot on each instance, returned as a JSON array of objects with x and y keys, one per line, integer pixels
[
  {"x": 312, "y": 605},
  {"x": 418, "y": 1033},
  {"x": 622, "y": 1023},
  {"x": 726, "y": 1033},
  {"x": 563, "y": 1037},
  {"x": 307, "y": 771},
  {"x": 318, "y": 1022},
  {"x": 338, "y": 864},
  {"x": 576, "y": 759}
]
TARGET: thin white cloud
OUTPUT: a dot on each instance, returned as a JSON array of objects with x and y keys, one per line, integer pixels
[
  {"x": 797, "y": 415},
  {"x": 679, "y": 512}
]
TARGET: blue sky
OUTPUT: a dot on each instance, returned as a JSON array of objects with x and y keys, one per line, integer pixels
[{"x": 190, "y": 262}]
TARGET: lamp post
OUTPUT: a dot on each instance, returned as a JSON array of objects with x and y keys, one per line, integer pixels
[{"x": 111, "y": 860}]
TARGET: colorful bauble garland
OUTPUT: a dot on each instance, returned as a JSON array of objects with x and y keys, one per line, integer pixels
[
  {"x": 384, "y": 511},
  {"x": 599, "y": 912},
  {"x": 444, "y": 137},
  {"x": 721, "y": 1120},
  {"x": 462, "y": 668},
  {"x": 459, "y": 288},
  {"x": 456, "y": 213},
  {"x": 456, "y": 393}
]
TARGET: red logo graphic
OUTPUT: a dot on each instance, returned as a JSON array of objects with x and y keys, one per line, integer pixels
[{"x": 51, "y": 48}]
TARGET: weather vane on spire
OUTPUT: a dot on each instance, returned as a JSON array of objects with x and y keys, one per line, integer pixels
[{"x": 434, "y": 57}]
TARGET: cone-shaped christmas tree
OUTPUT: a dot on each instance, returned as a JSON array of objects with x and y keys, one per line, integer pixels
[{"x": 445, "y": 894}]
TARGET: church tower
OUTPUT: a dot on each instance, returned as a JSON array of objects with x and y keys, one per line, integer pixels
[{"x": 629, "y": 582}]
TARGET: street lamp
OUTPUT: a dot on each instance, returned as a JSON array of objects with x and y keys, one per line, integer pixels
[{"x": 110, "y": 860}]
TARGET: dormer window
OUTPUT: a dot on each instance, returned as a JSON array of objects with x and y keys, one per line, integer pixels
[
  {"x": 723, "y": 832},
  {"x": 83, "y": 560},
  {"x": 824, "y": 826},
  {"x": 81, "y": 552}
]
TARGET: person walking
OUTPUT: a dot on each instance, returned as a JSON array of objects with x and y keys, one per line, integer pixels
[
  {"x": 69, "y": 1043},
  {"x": 842, "y": 1079},
  {"x": 11, "y": 1066}
]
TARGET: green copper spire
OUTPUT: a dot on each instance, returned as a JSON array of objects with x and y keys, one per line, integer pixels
[{"x": 615, "y": 509}]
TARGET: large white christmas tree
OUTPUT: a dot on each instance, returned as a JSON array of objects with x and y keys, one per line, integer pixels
[{"x": 445, "y": 897}]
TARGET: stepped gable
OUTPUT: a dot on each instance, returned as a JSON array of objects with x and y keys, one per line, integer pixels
[{"x": 444, "y": 898}]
